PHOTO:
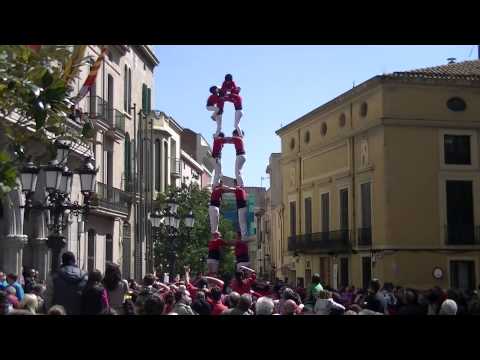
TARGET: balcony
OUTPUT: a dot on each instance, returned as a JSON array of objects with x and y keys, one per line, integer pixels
[
  {"x": 119, "y": 123},
  {"x": 175, "y": 168},
  {"x": 462, "y": 234},
  {"x": 364, "y": 237},
  {"x": 97, "y": 108},
  {"x": 111, "y": 198},
  {"x": 322, "y": 242}
]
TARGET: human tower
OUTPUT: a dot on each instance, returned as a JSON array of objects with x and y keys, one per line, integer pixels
[{"x": 228, "y": 92}]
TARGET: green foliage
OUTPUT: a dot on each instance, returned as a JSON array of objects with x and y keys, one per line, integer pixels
[
  {"x": 191, "y": 250},
  {"x": 8, "y": 174},
  {"x": 35, "y": 89}
]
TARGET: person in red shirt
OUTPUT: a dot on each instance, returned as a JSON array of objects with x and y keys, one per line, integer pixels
[
  {"x": 218, "y": 143},
  {"x": 214, "y": 247},
  {"x": 241, "y": 284},
  {"x": 230, "y": 92},
  {"x": 241, "y": 252},
  {"x": 202, "y": 284},
  {"x": 215, "y": 103},
  {"x": 215, "y": 299},
  {"x": 238, "y": 141},
  {"x": 241, "y": 197},
  {"x": 214, "y": 208}
]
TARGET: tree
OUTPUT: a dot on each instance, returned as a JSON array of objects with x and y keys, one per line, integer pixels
[
  {"x": 35, "y": 89},
  {"x": 191, "y": 249}
]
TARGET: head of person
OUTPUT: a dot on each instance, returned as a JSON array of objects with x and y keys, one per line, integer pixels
[
  {"x": 11, "y": 278},
  {"x": 169, "y": 298},
  {"x": 239, "y": 275},
  {"x": 264, "y": 306},
  {"x": 3, "y": 277},
  {"x": 411, "y": 297},
  {"x": 200, "y": 295},
  {"x": 228, "y": 77},
  {"x": 324, "y": 294},
  {"x": 39, "y": 290},
  {"x": 372, "y": 303},
  {"x": 68, "y": 258},
  {"x": 11, "y": 291},
  {"x": 316, "y": 279},
  {"x": 388, "y": 287},
  {"x": 179, "y": 296},
  {"x": 148, "y": 280},
  {"x": 112, "y": 277},
  {"x": 154, "y": 305},
  {"x": 216, "y": 294},
  {"x": 57, "y": 310},
  {"x": 448, "y": 307},
  {"x": 289, "y": 308},
  {"x": 30, "y": 303},
  {"x": 245, "y": 302},
  {"x": 213, "y": 90},
  {"x": 233, "y": 299},
  {"x": 375, "y": 286},
  {"x": 94, "y": 277},
  {"x": 221, "y": 134}
]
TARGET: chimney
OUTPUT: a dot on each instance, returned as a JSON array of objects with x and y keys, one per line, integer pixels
[{"x": 451, "y": 60}]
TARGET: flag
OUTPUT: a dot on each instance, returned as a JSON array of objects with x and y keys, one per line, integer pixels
[{"x": 91, "y": 77}]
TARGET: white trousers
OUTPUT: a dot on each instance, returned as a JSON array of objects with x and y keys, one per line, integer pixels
[
  {"x": 217, "y": 117},
  {"x": 239, "y": 162},
  {"x": 242, "y": 221},
  {"x": 214, "y": 213},
  {"x": 238, "y": 116},
  {"x": 218, "y": 171},
  {"x": 213, "y": 265}
]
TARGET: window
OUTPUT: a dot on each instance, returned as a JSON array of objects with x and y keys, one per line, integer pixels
[
  {"x": 293, "y": 218},
  {"x": 460, "y": 221},
  {"x": 158, "y": 164},
  {"x": 323, "y": 130},
  {"x": 127, "y": 163},
  {"x": 366, "y": 271},
  {"x": 344, "y": 209},
  {"x": 110, "y": 98},
  {"x": 91, "y": 250},
  {"x": 125, "y": 89},
  {"x": 457, "y": 149},
  {"x": 325, "y": 206},
  {"x": 462, "y": 274},
  {"x": 144, "y": 98},
  {"x": 126, "y": 250},
  {"x": 363, "y": 109},
  {"x": 292, "y": 143},
  {"x": 149, "y": 100},
  {"x": 344, "y": 281},
  {"x": 342, "y": 120},
  {"x": 366, "y": 206},
  {"x": 129, "y": 90},
  {"x": 308, "y": 215},
  {"x": 109, "y": 248},
  {"x": 456, "y": 104},
  {"x": 307, "y": 137}
]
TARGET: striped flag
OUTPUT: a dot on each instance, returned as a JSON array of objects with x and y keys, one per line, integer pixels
[{"x": 91, "y": 77}]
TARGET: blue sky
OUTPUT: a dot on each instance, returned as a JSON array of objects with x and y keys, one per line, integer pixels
[{"x": 279, "y": 84}]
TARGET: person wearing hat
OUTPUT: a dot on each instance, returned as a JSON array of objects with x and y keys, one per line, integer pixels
[
  {"x": 182, "y": 302},
  {"x": 230, "y": 92},
  {"x": 448, "y": 307},
  {"x": 215, "y": 103}
]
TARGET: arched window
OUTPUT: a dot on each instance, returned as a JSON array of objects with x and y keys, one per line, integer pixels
[
  {"x": 125, "y": 89},
  {"x": 91, "y": 250}
]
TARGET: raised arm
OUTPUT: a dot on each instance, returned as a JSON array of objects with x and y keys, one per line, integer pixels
[{"x": 215, "y": 281}]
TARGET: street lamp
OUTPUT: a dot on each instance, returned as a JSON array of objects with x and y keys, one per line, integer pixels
[
  {"x": 58, "y": 182},
  {"x": 169, "y": 220}
]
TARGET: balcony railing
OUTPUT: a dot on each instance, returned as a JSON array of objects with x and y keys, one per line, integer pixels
[
  {"x": 112, "y": 198},
  {"x": 119, "y": 121},
  {"x": 462, "y": 234},
  {"x": 175, "y": 167},
  {"x": 97, "y": 108},
  {"x": 322, "y": 242},
  {"x": 364, "y": 236}
]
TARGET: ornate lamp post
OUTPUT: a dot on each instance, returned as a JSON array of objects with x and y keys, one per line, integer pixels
[
  {"x": 168, "y": 220},
  {"x": 58, "y": 183}
]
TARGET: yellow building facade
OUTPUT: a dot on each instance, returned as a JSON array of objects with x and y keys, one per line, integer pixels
[{"x": 383, "y": 181}]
